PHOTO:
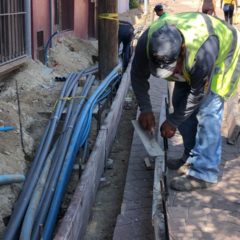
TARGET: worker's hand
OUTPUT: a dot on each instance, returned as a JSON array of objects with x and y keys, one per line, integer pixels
[
  {"x": 167, "y": 130},
  {"x": 147, "y": 121}
]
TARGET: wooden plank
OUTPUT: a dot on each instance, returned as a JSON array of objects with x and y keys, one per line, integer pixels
[
  {"x": 76, "y": 218},
  {"x": 74, "y": 223},
  {"x": 112, "y": 120},
  {"x": 8, "y": 67}
]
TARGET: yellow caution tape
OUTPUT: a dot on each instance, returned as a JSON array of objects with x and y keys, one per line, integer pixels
[
  {"x": 68, "y": 99},
  {"x": 109, "y": 16}
]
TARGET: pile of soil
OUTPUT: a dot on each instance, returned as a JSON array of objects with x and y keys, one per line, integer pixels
[{"x": 71, "y": 54}]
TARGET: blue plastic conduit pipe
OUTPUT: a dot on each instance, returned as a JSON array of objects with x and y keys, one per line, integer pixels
[
  {"x": 7, "y": 128},
  {"x": 52, "y": 178},
  {"x": 56, "y": 169},
  {"x": 31, "y": 211},
  {"x": 11, "y": 178},
  {"x": 35, "y": 170},
  {"x": 91, "y": 70},
  {"x": 75, "y": 143},
  {"x": 46, "y": 196},
  {"x": 88, "y": 116},
  {"x": 49, "y": 42}
]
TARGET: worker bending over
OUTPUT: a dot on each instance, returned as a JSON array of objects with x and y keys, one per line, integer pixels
[{"x": 204, "y": 63}]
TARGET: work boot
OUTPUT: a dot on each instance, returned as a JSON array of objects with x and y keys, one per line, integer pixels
[
  {"x": 175, "y": 164},
  {"x": 188, "y": 183}
]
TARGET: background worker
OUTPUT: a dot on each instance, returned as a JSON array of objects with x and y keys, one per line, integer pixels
[
  {"x": 158, "y": 9},
  {"x": 208, "y": 7},
  {"x": 228, "y": 9},
  {"x": 125, "y": 36},
  {"x": 204, "y": 63}
]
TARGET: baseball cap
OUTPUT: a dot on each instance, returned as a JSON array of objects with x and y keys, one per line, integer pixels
[
  {"x": 158, "y": 7},
  {"x": 164, "y": 49}
]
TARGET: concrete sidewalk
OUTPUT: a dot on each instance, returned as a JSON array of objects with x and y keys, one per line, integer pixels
[{"x": 210, "y": 214}]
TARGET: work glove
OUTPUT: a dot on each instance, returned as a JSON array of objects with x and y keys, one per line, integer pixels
[
  {"x": 147, "y": 121},
  {"x": 167, "y": 130}
]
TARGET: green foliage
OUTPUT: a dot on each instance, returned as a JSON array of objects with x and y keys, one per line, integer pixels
[{"x": 133, "y": 4}]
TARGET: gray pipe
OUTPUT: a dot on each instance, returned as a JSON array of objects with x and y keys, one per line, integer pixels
[{"x": 31, "y": 211}]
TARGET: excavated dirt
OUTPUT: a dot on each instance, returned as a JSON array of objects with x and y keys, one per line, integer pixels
[{"x": 38, "y": 92}]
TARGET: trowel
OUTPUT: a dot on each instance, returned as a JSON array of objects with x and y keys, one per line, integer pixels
[{"x": 148, "y": 140}]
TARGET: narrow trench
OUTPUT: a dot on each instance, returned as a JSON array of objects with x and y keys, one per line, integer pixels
[{"x": 107, "y": 206}]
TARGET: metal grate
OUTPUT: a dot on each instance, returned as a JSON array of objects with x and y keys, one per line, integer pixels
[{"x": 12, "y": 30}]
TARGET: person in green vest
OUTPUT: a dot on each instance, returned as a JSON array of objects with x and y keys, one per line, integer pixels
[
  {"x": 204, "y": 63},
  {"x": 158, "y": 9}
]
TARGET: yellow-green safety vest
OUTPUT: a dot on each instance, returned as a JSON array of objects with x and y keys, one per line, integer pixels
[{"x": 196, "y": 28}]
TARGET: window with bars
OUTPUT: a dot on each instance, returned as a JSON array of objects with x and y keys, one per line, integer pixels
[{"x": 12, "y": 30}]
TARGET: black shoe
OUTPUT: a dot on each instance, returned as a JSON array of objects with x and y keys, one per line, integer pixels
[
  {"x": 188, "y": 183},
  {"x": 175, "y": 164}
]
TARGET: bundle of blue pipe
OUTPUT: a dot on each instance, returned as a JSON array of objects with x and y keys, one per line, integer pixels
[{"x": 36, "y": 210}]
